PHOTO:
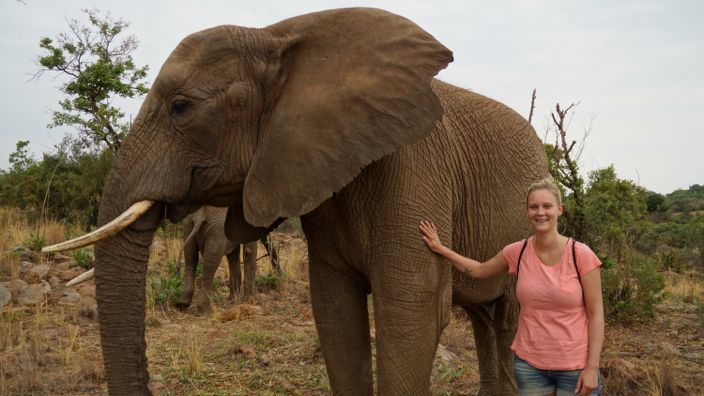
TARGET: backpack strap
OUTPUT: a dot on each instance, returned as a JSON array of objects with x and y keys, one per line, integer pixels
[
  {"x": 574, "y": 261},
  {"x": 518, "y": 264}
]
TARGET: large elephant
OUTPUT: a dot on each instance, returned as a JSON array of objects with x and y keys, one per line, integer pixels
[
  {"x": 334, "y": 117},
  {"x": 204, "y": 234}
]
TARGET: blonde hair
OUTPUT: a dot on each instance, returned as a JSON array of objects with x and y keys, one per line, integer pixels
[{"x": 546, "y": 184}]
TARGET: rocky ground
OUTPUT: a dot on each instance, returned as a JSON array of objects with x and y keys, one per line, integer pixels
[{"x": 49, "y": 341}]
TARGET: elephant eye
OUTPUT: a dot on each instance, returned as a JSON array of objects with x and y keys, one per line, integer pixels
[{"x": 179, "y": 106}]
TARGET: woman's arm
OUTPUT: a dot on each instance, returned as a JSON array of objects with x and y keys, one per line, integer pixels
[
  {"x": 591, "y": 287},
  {"x": 473, "y": 268}
]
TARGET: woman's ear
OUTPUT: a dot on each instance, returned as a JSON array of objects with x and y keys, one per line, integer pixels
[{"x": 347, "y": 88}]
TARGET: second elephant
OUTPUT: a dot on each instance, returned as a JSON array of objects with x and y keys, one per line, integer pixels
[{"x": 204, "y": 235}]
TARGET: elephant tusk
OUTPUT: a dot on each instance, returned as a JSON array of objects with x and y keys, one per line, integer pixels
[
  {"x": 88, "y": 275},
  {"x": 118, "y": 224}
]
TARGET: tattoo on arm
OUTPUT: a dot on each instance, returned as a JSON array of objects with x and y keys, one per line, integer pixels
[{"x": 468, "y": 271}]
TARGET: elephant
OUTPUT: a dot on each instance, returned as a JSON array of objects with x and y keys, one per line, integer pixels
[
  {"x": 337, "y": 117},
  {"x": 204, "y": 233}
]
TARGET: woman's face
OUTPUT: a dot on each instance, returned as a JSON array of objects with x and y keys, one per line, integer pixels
[{"x": 543, "y": 211}]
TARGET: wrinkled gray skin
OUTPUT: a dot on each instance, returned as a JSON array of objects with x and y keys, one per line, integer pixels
[
  {"x": 333, "y": 117},
  {"x": 204, "y": 234}
]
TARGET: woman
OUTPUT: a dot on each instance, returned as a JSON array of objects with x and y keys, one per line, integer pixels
[{"x": 561, "y": 320}]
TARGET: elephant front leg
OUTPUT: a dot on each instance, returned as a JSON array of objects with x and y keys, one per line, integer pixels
[
  {"x": 211, "y": 262},
  {"x": 342, "y": 321},
  {"x": 411, "y": 308}
]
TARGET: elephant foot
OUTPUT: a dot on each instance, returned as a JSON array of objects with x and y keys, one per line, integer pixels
[
  {"x": 198, "y": 310},
  {"x": 201, "y": 305},
  {"x": 182, "y": 302}
]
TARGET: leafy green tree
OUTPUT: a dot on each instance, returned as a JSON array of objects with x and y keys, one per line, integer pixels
[
  {"x": 614, "y": 209},
  {"x": 99, "y": 68}
]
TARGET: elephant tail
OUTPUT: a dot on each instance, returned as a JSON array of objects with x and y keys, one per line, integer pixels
[{"x": 196, "y": 227}]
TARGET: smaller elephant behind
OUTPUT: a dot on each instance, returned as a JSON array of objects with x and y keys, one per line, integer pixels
[{"x": 204, "y": 235}]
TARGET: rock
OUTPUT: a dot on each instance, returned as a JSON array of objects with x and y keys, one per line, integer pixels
[
  {"x": 25, "y": 266},
  {"x": 69, "y": 297},
  {"x": 33, "y": 294},
  {"x": 15, "y": 286},
  {"x": 5, "y": 297},
  {"x": 37, "y": 273},
  {"x": 26, "y": 254},
  {"x": 54, "y": 282},
  {"x": 68, "y": 274},
  {"x": 60, "y": 258},
  {"x": 66, "y": 265}
]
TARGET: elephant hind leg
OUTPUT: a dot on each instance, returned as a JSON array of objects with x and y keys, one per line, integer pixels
[
  {"x": 235, "y": 277},
  {"x": 250, "y": 270},
  {"x": 190, "y": 259},
  {"x": 505, "y": 324},
  {"x": 482, "y": 318},
  {"x": 342, "y": 321}
]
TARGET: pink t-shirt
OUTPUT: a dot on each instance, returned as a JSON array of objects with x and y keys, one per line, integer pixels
[{"x": 552, "y": 325}]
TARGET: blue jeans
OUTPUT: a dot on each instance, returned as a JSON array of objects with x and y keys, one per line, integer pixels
[{"x": 537, "y": 382}]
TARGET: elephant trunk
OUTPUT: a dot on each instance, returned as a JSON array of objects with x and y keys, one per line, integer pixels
[{"x": 120, "y": 279}]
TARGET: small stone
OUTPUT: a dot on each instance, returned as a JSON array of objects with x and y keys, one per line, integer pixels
[
  {"x": 37, "y": 273},
  {"x": 25, "y": 266},
  {"x": 65, "y": 265},
  {"x": 5, "y": 297},
  {"x": 33, "y": 294},
  {"x": 15, "y": 286},
  {"x": 68, "y": 274},
  {"x": 54, "y": 282},
  {"x": 59, "y": 258},
  {"x": 69, "y": 297}
]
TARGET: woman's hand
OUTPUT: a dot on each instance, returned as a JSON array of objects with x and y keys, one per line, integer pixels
[
  {"x": 430, "y": 236},
  {"x": 587, "y": 382}
]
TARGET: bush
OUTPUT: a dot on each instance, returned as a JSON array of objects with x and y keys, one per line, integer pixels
[
  {"x": 631, "y": 288},
  {"x": 267, "y": 281},
  {"x": 35, "y": 242},
  {"x": 83, "y": 258},
  {"x": 165, "y": 288}
]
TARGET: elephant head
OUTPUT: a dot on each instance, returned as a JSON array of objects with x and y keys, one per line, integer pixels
[{"x": 269, "y": 122}]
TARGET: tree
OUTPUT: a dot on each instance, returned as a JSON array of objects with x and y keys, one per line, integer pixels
[
  {"x": 563, "y": 167},
  {"x": 99, "y": 69}
]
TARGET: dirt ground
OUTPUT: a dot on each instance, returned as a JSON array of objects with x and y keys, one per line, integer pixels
[{"x": 269, "y": 346}]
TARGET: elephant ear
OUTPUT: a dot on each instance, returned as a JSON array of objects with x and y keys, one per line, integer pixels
[{"x": 350, "y": 86}]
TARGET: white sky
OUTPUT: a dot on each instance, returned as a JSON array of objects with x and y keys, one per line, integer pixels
[{"x": 637, "y": 67}]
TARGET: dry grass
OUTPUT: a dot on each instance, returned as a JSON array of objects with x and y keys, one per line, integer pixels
[{"x": 688, "y": 286}]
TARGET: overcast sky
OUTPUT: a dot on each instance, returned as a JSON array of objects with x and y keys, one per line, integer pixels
[{"x": 636, "y": 67}]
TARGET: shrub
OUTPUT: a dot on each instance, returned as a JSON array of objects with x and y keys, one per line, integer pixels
[
  {"x": 83, "y": 258},
  {"x": 267, "y": 281},
  {"x": 34, "y": 242},
  {"x": 631, "y": 288},
  {"x": 164, "y": 288}
]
